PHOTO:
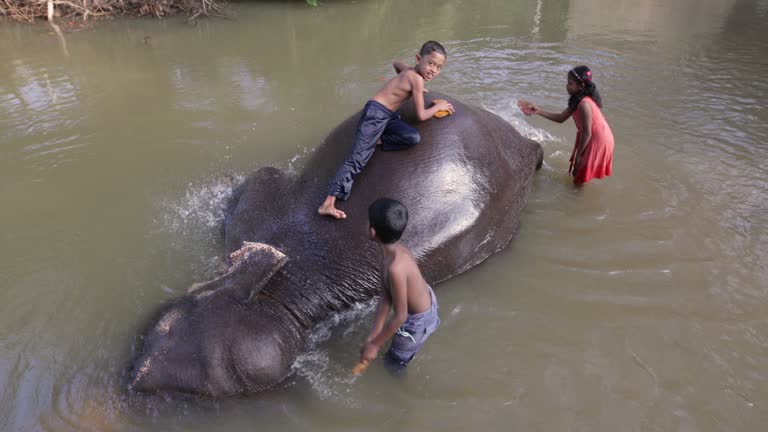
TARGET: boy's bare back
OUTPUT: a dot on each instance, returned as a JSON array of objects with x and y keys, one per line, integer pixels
[
  {"x": 399, "y": 89},
  {"x": 404, "y": 268},
  {"x": 402, "y": 288}
]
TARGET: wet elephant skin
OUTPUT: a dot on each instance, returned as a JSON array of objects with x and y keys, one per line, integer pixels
[{"x": 465, "y": 186}]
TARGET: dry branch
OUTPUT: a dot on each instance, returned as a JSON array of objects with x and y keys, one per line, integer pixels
[{"x": 29, "y": 10}]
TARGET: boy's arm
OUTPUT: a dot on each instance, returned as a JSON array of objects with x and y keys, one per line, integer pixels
[
  {"x": 417, "y": 92},
  {"x": 400, "y": 66},
  {"x": 399, "y": 298},
  {"x": 382, "y": 311}
]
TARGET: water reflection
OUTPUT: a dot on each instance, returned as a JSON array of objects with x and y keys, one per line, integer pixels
[
  {"x": 634, "y": 303},
  {"x": 38, "y": 104}
]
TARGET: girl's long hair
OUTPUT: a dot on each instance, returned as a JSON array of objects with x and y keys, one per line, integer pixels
[{"x": 582, "y": 74}]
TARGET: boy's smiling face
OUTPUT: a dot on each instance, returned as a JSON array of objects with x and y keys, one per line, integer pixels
[{"x": 430, "y": 66}]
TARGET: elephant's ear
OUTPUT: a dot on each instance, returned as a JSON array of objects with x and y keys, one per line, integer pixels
[{"x": 252, "y": 266}]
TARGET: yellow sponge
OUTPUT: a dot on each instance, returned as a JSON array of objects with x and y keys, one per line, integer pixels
[{"x": 441, "y": 113}]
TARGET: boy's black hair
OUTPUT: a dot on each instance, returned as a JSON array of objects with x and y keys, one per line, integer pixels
[
  {"x": 389, "y": 218},
  {"x": 582, "y": 74},
  {"x": 431, "y": 46}
]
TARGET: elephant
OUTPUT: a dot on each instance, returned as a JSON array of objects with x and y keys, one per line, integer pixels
[{"x": 465, "y": 185}]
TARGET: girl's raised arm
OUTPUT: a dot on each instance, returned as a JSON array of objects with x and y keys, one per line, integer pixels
[{"x": 556, "y": 117}]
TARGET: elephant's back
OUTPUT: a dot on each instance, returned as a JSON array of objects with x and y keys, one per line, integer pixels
[{"x": 464, "y": 184}]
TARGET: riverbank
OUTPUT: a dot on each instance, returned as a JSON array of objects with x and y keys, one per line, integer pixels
[{"x": 31, "y": 10}]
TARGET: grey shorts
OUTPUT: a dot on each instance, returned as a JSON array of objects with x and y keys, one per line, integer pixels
[{"x": 410, "y": 337}]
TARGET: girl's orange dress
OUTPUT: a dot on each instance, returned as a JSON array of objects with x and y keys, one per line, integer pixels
[{"x": 597, "y": 159}]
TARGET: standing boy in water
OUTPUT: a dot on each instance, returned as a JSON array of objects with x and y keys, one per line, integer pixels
[
  {"x": 403, "y": 289},
  {"x": 379, "y": 120}
]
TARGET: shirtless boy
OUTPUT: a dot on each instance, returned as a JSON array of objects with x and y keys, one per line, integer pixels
[
  {"x": 403, "y": 289},
  {"x": 380, "y": 121}
]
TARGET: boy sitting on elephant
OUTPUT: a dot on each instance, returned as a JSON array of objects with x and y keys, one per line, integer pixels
[
  {"x": 403, "y": 289},
  {"x": 380, "y": 121}
]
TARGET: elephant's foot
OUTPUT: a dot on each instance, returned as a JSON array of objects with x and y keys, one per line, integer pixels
[{"x": 328, "y": 208}]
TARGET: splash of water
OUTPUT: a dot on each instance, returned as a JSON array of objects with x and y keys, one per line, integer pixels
[
  {"x": 296, "y": 162},
  {"x": 329, "y": 377},
  {"x": 202, "y": 205},
  {"x": 192, "y": 222},
  {"x": 512, "y": 114}
]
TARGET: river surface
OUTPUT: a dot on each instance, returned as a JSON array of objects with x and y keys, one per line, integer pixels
[{"x": 636, "y": 303}]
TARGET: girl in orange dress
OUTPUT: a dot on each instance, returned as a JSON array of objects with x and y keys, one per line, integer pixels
[{"x": 592, "y": 155}]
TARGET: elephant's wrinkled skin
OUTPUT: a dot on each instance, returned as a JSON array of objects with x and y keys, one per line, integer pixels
[{"x": 465, "y": 185}]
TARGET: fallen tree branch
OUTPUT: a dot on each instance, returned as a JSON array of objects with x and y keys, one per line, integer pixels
[{"x": 29, "y": 10}]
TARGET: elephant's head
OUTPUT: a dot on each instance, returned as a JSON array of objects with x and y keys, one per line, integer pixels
[{"x": 216, "y": 340}]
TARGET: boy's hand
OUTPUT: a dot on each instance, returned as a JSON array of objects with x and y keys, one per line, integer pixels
[
  {"x": 445, "y": 106},
  {"x": 369, "y": 352}
]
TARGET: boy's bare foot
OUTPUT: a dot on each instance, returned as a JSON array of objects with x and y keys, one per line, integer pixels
[
  {"x": 378, "y": 142},
  {"x": 332, "y": 212},
  {"x": 329, "y": 209}
]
